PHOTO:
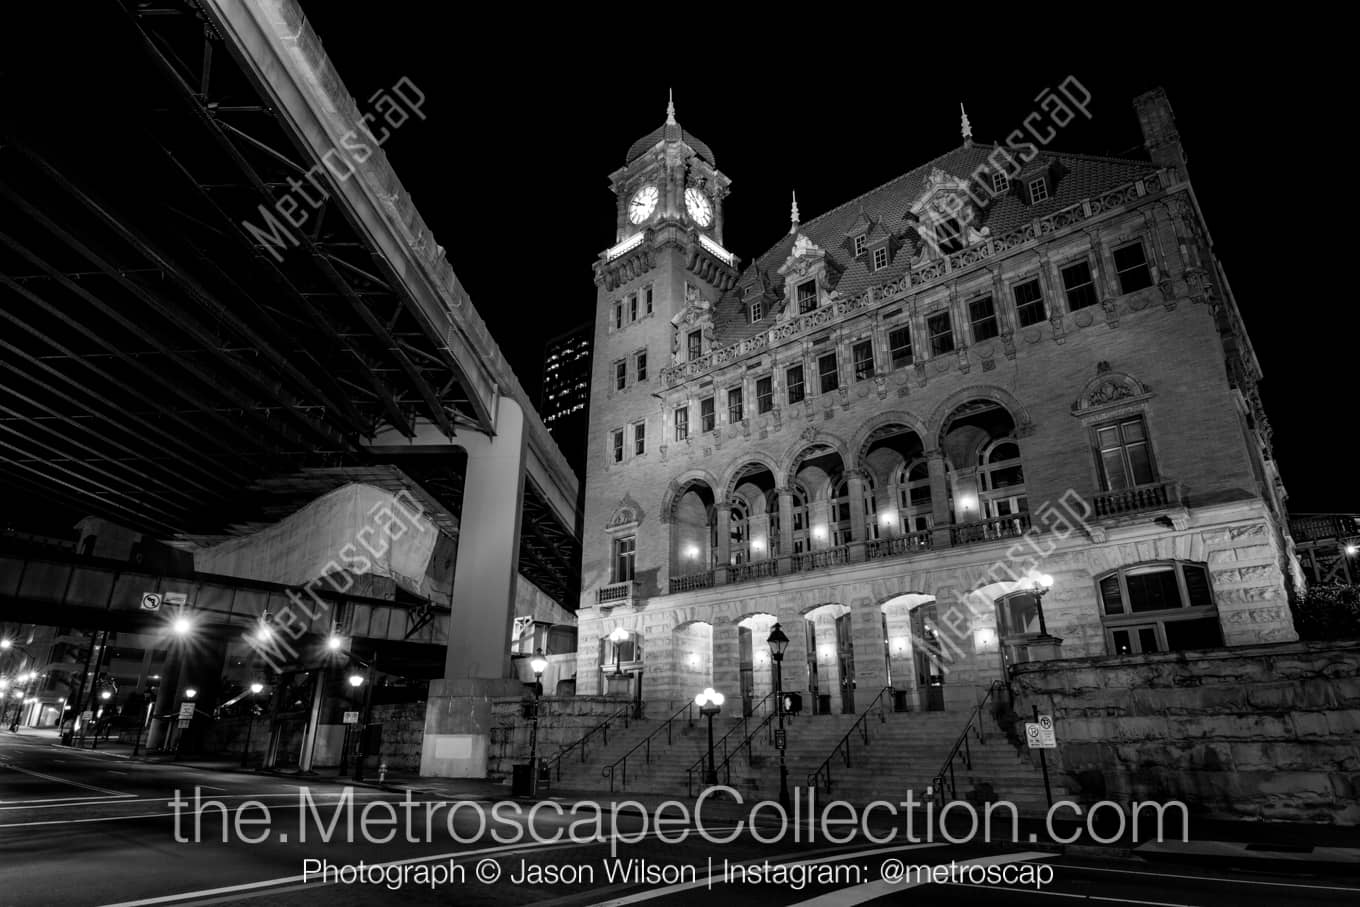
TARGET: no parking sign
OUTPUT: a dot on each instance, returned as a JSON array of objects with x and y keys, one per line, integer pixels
[{"x": 1039, "y": 734}]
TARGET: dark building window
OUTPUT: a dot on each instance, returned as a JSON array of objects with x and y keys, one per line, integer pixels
[
  {"x": 941, "y": 334},
  {"x": 863, "y": 353},
  {"x": 707, "y": 419},
  {"x": 764, "y": 394},
  {"x": 1029, "y": 303},
  {"x": 632, "y": 307},
  {"x": 982, "y": 313},
  {"x": 1000, "y": 182},
  {"x": 625, "y": 558},
  {"x": 616, "y": 443},
  {"x": 640, "y": 364},
  {"x": 696, "y": 344},
  {"x": 899, "y": 346},
  {"x": 1125, "y": 459},
  {"x": 807, "y": 296},
  {"x": 639, "y": 438},
  {"x": 618, "y": 315},
  {"x": 1131, "y": 265},
  {"x": 1159, "y": 607},
  {"x": 648, "y": 293},
  {"x": 734, "y": 413},
  {"x": 1038, "y": 190},
  {"x": 880, "y": 258},
  {"x": 1081, "y": 289},
  {"x": 827, "y": 373},
  {"x": 620, "y": 375},
  {"x": 859, "y": 245},
  {"x": 793, "y": 379},
  {"x": 949, "y": 235},
  {"x": 681, "y": 423},
  {"x": 757, "y": 311}
]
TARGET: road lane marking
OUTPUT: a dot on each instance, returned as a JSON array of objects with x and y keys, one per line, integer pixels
[
  {"x": 133, "y": 798},
  {"x": 92, "y": 800},
  {"x": 708, "y": 880},
  {"x": 29, "y": 771},
  {"x": 1172, "y": 875},
  {"x": 858, "y": 894},
  {"x": 1080, "y": 897}
]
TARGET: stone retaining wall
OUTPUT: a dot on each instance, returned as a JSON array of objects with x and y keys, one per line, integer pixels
[{"x": 1267, "y": 731}]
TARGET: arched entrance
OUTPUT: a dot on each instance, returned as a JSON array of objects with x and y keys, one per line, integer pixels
[
  {"x": 928, "y": 656},
  {"x": 833, "y": 665}
]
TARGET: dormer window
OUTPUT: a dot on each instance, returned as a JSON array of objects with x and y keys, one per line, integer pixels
[
  {"x": 695, "y": 345},
  {"x": 1000, "y": 182},
  {"x": 880, "y": 258},
  {"x": 1038, "y": 190},
  {"x": 757, "y": 311},
  {"x": 860, "y": 242},
  {"x": 807, "y": 296}
]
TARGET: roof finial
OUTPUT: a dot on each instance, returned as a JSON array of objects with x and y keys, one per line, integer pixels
[
  {"x": 793, "y": 213},
  {"x": 965, "y": 127},
  {"x": 670, "y": 109}
]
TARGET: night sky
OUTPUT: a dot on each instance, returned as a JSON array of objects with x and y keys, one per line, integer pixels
[{"x": 510, "y": 167}]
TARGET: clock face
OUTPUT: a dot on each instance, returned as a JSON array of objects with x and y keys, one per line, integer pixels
[
  {"x": 698, "y": 206},
  {"x": 643, "y": 204}
]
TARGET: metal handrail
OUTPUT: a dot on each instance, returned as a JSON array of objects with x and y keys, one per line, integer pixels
[
  {"x": 843, "y": 747},
  {"x": 961, "y": 745},
  {"x": 609, "y": 770},
  {"x": 602, "y": 729},
  {"x": 743, "y": 726}
]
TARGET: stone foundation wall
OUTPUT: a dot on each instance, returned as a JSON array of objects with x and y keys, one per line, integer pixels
[
  {"x": 1264, "y": 732},
  {"x": 561, "y": 722},
  {"x": 403, "y": 729}
]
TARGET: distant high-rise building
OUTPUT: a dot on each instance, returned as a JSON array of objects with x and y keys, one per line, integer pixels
[{"x": 566, "y": 388}]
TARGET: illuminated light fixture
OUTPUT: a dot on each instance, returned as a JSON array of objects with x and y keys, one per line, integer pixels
[
  {"x": 104, "y": 695},
  {"x": 256, "y": 687},
  {"x": 334, "y": 643},
  {"x": 984, "y": 640},
  {"x": 709, "y": 698},
  {"x": 182, "y": 626},
  {"x": 6, "y": 643},
  {"x": 967, "y": 502},
  {"x": 691, "y": 551},
  {"x": 356, "y": 680},
  {"x": 1352, "y": 548},
  {"x": 4, "y": 683},
  {"x": 538, "y": 664},
  {"x": 264, "y": 632},
  {"x": 758, "y": 545},
  {"x": 886, "y": 519},
  {"x": 190, "y": 693},
  {"x": 819, "y": 532}
]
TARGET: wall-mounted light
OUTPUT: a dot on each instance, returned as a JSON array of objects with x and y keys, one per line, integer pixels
[
  {"x": 691, "y": 552},
  {"x": 898, "y": 645},
  {"x": 967, "y": 502},
  {"x": 758, "y": 545},
  {"x": 886, "y": 519},
  {"x": 826, "y": 652},
  {"x": 819, "y": 532},
  {"x": 984, "y": 640}
]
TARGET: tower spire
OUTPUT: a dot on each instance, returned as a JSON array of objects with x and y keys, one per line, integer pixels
[
  {"x": 670, "y": 109},
  {"x": 965, "y": 127},
  {"x": 793, "y": 213}
]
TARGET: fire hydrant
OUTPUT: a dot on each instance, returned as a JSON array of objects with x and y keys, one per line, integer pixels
[{"x": 382, "y": 772}]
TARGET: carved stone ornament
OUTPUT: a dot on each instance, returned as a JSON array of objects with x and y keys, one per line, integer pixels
[
  {"x": 625, "y": 515},
  {"x": 1108, "y": 388}
]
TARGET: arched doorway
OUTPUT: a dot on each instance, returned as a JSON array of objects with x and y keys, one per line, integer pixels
[
  {"x": 832, "y": 667},
  {"x": 928, "y": 656}
]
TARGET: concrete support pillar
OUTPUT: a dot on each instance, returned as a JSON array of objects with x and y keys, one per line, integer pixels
[
  {"x": 202, "y": 671},
  {"x": 477, "y": 666},
  {"x": 727, "y": 664},
  {"x": 167, "y": 699},
  {"x": 939, "y": 497}
]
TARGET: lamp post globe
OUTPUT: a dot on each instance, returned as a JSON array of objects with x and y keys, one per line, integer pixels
[{"x": 710, "y": 703}]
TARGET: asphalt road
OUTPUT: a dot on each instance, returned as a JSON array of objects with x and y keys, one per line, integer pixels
[{"x": 88, "y": 828}]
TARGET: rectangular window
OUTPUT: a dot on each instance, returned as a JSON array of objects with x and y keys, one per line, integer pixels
[
  {"x": 899, "y": 345},
  {"x": 632, "y": 307},
  {"x": 1000, "y": 182},
  {"x": 1125, "y": 460},
  {"x": 681, "y": 423},
  {"x": 707, "y": 419},
  {"x": 648, "y": 295},
  {"x": 1038, "y": 190},
  {"x": 639, "y": 438},
  {"x": 1029, "y": 303},
  {"x": 793, "y": 380},
  {"x": 625, "y": 557},
  {"x": 949, "y": 235},
  {"x": 807, "y": 296},
  {"x": 859, "y": 245},
  {"x": 640, "y": 365},
  {"x": 620, "y": 375},
  {"x": 941, "y": 332},
  {"x": 616, "y": 444},
  {"x": 982, "y": 313},
  {"x": 1131, "y": 265},
  {"x": 734, "y": 413},
  {"x": 757, "y": 311},
  {"x": 618, "y": 315},
  {"x": 880, "y": 258},
  {"x": 863, "y": 353},
  {"x": 1160, "y": 607},
  {"x": 764, "y": 394},
  {"x": 696, "y": 344},
  {"x": 827, "y": 373},
  {"x": 1081, "y": 289}
]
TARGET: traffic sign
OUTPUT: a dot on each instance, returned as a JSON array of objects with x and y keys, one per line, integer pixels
[
  {"x": 186, "y": 711},
  {"x": 179, "y": 599},
  {"x": 1040, "y": 735},
  {"x": 780, "y": 739},
  {"x": 350, "y": 718},
  {"x": 151, "y": 601}
]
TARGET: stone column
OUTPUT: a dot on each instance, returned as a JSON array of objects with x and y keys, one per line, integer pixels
[
  {"x": 785, "y": 522},
  {"x": 871, "y": 674},
  {"x": 726, "y": 664},
  {"x": 939, "y": 497},
  {"x": 477, "y": 665},
  {"x": 722, "y": 517},
  {"x": 795, "y": 675},
  {"x": 854, "y": 485}
]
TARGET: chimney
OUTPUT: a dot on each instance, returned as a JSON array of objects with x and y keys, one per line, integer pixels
[{"x": 1160, "y": 137}]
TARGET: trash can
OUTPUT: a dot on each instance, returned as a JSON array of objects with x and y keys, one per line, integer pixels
[
  {"x": 900, "y": 701},
  {"x": 521, "y": 780},
  {"x": 67, "y": 737}
]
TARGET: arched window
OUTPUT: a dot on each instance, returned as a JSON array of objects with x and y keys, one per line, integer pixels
[
  {"x": 1001, "y": 479},
  {"x": 739, "y": 531},
  {"x": 801, "y": 521},
  {"x": 773, "y": 537},
  {"x": 912, "y": 485},
  {"x": 1163, "y": 606},
  {"x": 842, "y": 508}
]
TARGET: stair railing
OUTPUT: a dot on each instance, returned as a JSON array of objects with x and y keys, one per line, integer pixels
[
  {"x": 823, "y": 771},
  {"x": 620, "y": 765},
  {"x": 962, "y": 750},
  {"x": 601, "y": 729},
  {"x": 728, "y": 752}
]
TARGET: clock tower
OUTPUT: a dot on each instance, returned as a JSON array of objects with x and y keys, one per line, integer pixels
[{"x": 658, "y": 285}]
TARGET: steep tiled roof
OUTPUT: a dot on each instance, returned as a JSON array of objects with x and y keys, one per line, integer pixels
[
  {"x": 1072, "y": 177},
  {"x": 670, "y": 132}
]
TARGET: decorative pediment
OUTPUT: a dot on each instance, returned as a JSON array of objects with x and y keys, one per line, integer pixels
[
  {"x": 626, "y": 516},
  {"x": 1108, "y": 389},
  {"x": 805, "y": 256}
]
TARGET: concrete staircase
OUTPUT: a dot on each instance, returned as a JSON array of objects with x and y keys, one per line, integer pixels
[{"x": 904, "y": 752}]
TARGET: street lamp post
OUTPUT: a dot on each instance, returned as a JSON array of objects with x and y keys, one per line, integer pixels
[
  {"x": 364, "y": 716},
  {"x": 618, "y": 638},
  {"x": 1042, "y": 584},
  {"x": 778, "y": 642},
  {"x": 255, "y": 689},
  {"x": 539, "y": 664},
  {"x": 710, "y": 703}
]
